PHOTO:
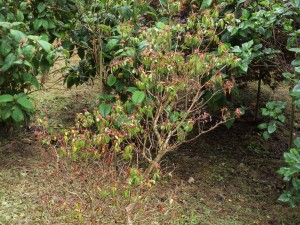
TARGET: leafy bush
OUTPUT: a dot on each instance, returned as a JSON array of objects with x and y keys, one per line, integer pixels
[
  {"x": 273, "y": 110},
  {"x": 291, "y": 174},
  {"x": 26, "y": 54},
  {"x": 169, "y": 75},
  {"x": 96, "y": 35},
  {"x": 21, "y": 60},
  {"x": 258, "y": 29}
]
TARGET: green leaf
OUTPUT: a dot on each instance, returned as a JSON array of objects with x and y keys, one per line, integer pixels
[
  {"x": 19, "y": 16},
  {"x": 126, "y": 11},
  {"x": 6, "y": 98},
  {"x": 160, "y": 25},
  {"x": 244, "y": 67},
  {"x": 111, "y": 44},
  {"x": 37, "y": 23},
  {"x": 34, "y": 37},
  {"x": 2, "y": 80},
  {"x": 27, "y": 77},
  {"x": 296, "y": 91},
  {"x": 285, "y": 197},
  {"x": 6, "y": 113},
  {"x": 111, "y": 80},
  {"x": 288, "y": 75},
  {"x": 23, "y": 5},
  {"x": 27, "y": 64},
  {"x": 17, "y": 35},
  {"x": 131, "y": 89},
  {"x": 119, "y": 85},
  {"x": 14, "y": 24},
  {"x": 5, "y": 25},
  {"x": 262, "y": 126},
  {"x": 41, "y": 7},
  {"x": 35, "y": 82},
  {"x": 17, "y": 114},
  {"x": 297, "y": 142},
  {"x": 9, "y": 60},
  {"x": 271, "y": 128},
  {"x": 105, "y": 28},
  {"x": 104, "y": 109},
  {"x": 295, "y": 3},
  {"x": 127, "y": 51},
  {"x": 296, "y": 183},
  {"x": 106, "y": 97},
  {"x": 142, "y": 45},
  {"x": 24, "y": 102},
  {"x": 297, "y": 50},
  {"x": 229, "y": 123},
  {"x": 205, "y": 4},
  {"x": 5, "y": 47},
  {"x": 163, "y": 2},
  {"x": 45, "y": 45},
  {"x": 45, "y": 24},
  {"x": 281, "y": 118},
  {"x": 296, "y": 62},
  {"x": 28, "y": 51},
  {"x": 266, "y": 135},
  {"x": 138, "y": 97}
]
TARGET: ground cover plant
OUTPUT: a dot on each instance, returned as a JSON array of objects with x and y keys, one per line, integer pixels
[{"x": 167, "y": 73}]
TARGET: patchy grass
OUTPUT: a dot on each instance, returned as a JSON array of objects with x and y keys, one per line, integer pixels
[{"x": 234, "y": 177}]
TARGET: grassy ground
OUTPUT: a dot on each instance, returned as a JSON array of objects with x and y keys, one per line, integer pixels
[{"x": 226, "y": 177}]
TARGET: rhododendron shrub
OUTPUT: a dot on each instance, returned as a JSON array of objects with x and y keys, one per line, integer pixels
[{"x": 179, "y": 70}]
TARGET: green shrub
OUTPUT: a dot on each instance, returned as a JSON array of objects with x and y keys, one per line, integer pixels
[
  {"x": 291, "y": 174},
  {"x": 26, "y": 53}
]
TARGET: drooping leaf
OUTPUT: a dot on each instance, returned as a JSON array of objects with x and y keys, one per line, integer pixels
[
  {"x": 35, "y": 82},
  {"x": 17, "y": 114},
  {"x": 6, "y": 113}
]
